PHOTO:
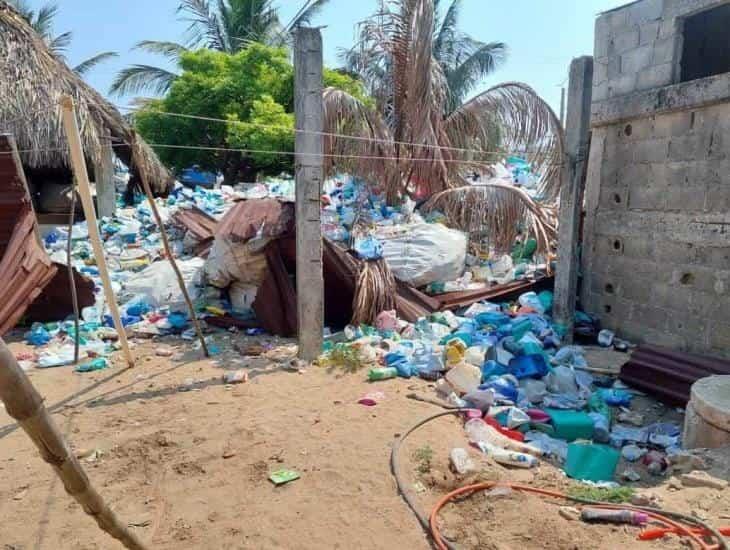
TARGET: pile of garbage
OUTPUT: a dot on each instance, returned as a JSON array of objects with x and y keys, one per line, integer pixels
[{"x": 526, "y": 397}]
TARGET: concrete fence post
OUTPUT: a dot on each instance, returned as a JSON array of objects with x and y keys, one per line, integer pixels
[
  {"x": 577, "y": 140},
  {"x": 309, "y": 170}
]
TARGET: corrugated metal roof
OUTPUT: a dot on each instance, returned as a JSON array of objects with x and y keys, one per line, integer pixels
[{"x": 667, "y": 374}]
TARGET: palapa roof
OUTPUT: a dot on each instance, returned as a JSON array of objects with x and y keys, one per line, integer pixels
[{"x": 32, "y": 82}]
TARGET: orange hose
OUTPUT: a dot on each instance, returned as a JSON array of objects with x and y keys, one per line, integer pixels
[
  {"x": 653, "y": 534},
  {"x": 680, "y": 529}
]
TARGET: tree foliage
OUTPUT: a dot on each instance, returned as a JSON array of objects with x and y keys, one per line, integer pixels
[
  {"x": 253, "y": 90},
  {"x": 223, "y": 25}
]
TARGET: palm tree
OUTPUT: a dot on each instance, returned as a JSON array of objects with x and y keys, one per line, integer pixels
[
  {"x": 228, "y": 26},
  {"x": 421, "y": 69},
  {"x": 42, "y": 23}
]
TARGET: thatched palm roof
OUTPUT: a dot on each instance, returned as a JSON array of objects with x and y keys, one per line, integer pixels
[{"x": 32, "y": 81}]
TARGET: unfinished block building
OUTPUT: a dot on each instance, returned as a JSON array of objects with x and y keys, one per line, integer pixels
[{"x": 656, "y": 245}]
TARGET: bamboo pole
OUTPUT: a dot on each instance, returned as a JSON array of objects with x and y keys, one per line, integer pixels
[
  {"x": 78, "y": 164},
  {"x": 24, "y": 404},
  {"x": 165, "y": 243}
]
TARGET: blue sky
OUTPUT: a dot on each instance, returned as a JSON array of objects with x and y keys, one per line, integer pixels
[{"x": 542, "y": 35}]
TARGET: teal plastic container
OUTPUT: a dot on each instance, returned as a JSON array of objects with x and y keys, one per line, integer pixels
[{"x": 591, "y": 462}]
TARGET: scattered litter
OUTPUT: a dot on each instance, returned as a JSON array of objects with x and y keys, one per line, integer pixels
[
  {"x": 703, "y": 479},
  {"x": 280, "y": 477},
  {"x": 235, "y": 377}
]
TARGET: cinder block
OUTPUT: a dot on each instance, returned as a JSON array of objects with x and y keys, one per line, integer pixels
[
  {"x": 636, "y": 290},
  {"x": 673, "y": 124},
  {"x": 600, "y": 92},
  {"x": 651, "y": 150},
  {"x": 664, "y": 51},
  {"x": 624, "y": 41},
  {"x": 655, "y": 76},
  {"x": 685, "y": 148},
  {"x": 714, "y": 257},
  {"x": 636, "y": 130},
  {"x": 671, "y": 297},
  {"x": 720, "y": 335},
  {"x": 685, "y": 199},
  {"x": 637, "y": 59},
  {"x": 649, "y": 32},
  {"x": 668, "y": 253},
  {"x": 696, "y": 278},
  {"x": 602, "y": 32},
  {"x": 669, "y": 26},
  {"x": 613, "y": 67},
  {"x": 647, "y": 197},
  {"x": 717, "y": 198},
  {"x": 623, "y": 85},
  {"x": 650, "y": 317},
  {"x": 633, "y": 174},
  {"x": 600, "y": 70},
  {"x": 658, "y": 175},
  {"x": 639, "y": 248},
  {"x": 644, "y": 11}
]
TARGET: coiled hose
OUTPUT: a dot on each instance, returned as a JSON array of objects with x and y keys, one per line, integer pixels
[{"x": 429, "y": 524}]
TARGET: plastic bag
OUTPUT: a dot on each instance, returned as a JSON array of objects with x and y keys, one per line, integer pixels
[
  {"x": 158, "y": 283},
  {"x": 425, "y": 253}
]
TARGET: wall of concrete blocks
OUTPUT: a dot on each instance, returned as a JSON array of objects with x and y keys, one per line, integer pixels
[{"x": 656, "y": 250}]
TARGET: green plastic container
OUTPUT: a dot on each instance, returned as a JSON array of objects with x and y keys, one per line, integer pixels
[
  {"x": 571, "y": 425},
  {"x": 591, "y": 462},
  {"x": 382, "y": 373}
]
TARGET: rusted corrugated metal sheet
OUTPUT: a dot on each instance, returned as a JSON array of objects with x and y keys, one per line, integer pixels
[
  {"x": 25, "y": 268},
  {"x": 200, "y": 224},
  {"x": 264, "y": 217},
  {"x": 668, "y": 375},
  {"x": 55, "y": 302}
]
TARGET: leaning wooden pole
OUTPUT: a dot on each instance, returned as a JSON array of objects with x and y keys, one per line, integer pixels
[
  {"x": 165, "y": 243},
  {"x": 24, "y": 403},
  {"x": 78, "y": 164}
]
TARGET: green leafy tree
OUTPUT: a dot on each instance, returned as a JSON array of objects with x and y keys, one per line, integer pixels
[
  {"x": 224, "y": 25},
  {"x": 253, "y": 90},
  {"x": 42, "y": 23}
]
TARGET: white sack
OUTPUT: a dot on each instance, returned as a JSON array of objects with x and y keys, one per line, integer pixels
[{"x": 425, "y": 253}]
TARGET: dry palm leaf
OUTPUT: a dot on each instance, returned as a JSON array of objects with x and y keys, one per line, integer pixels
[
  {"x": 374, "y": 292},
  {"x": 500, "y": 212}
]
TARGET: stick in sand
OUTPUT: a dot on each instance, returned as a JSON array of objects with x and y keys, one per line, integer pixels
[
  {"x": 24, "y": 404},
  {"x": 137, "y": 156},
  {"x": 82, "y": 180}
]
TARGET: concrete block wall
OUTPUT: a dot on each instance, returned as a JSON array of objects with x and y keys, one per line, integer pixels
[
  {"x": 637, "y": 47},
  {"x": 656, "y": 250}
]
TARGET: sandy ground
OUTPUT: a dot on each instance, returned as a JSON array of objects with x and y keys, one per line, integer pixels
[{"x": 184, "y": 459}]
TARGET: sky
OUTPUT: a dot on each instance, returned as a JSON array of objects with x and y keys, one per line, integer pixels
[{"x": 542, "y": 35}]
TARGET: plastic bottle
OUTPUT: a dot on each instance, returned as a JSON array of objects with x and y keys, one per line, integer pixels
[
  {"x": 506, "y": 457},
  {"x": 464, "y": 377},
  {"x": 479, "y": 431},
  {"x": 382, "y": 373},
  {"x": 97, "y": 364},
  {"x": 614, "y": 516}
]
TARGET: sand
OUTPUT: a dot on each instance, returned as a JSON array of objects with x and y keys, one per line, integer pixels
[{"x": 184, "y": 459}]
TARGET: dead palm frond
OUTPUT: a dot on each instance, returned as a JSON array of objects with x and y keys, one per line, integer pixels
[
  {"x": 499, "y": 212},
  {"x": 419, "y": 67}
]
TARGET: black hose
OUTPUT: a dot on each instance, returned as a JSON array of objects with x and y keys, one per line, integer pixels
[
  {"x": 395, "y": 470},
  {"x": 424, "y": 520}
]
